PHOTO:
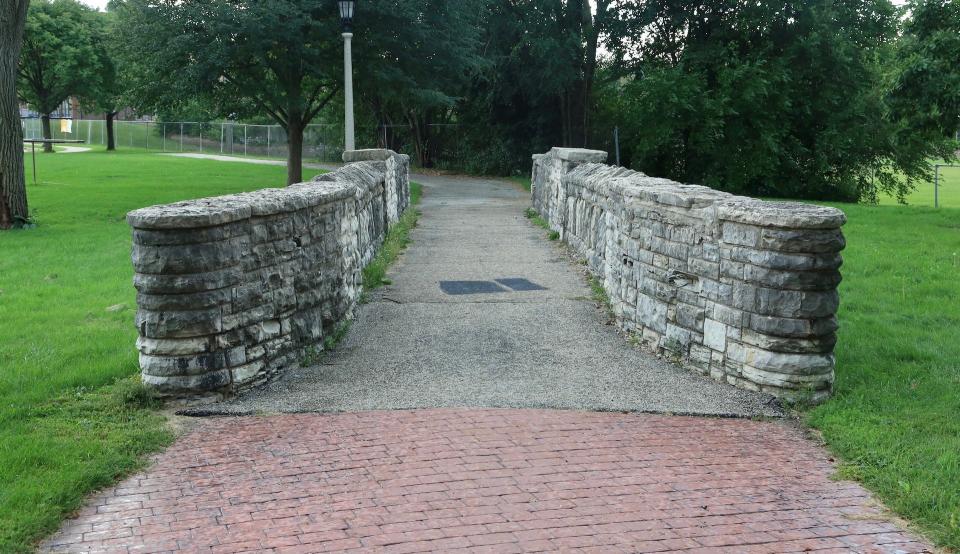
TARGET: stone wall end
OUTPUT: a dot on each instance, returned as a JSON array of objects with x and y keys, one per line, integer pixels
[
  {"x": 740, "y": 289},
  {"x": 233, "y": 290}
]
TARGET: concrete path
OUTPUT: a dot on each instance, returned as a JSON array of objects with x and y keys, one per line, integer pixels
[
  {"x": 237, "y": 159},
  {"x": 416, "y": 346},
  {"x": 502, "y": 481}
]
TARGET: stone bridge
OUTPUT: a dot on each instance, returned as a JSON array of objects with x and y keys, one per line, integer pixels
[
  {"x": 233, "y": 291},
  {"x": 485, "y": 324}
]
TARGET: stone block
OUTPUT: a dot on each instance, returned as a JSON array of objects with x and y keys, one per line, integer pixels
[{"x": 715, "y": 335}]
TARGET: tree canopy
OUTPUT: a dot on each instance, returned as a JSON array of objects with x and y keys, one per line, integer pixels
[
  {"x": 821, "y": 99},
  {"x": 60, "y": 57},
  {"x": 246, "y": 57}
]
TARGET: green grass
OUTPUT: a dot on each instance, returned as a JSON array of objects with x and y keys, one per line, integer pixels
[
  {"x": 535, "y": 218},
  {"x": 72, "y": 418},
  {"x": 524, "y": 182},
  {"x": 397, "y": 239},
  {"x": 895, "y": 417},
  {"x": 949, "y": 191}
]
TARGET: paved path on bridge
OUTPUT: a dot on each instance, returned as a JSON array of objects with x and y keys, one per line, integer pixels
[
  {"x": 416, "y": 346},
  {"x": 471, "y": 477}
]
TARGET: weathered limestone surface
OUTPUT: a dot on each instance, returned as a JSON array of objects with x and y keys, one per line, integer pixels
[
  {"x": 737, "y": 288},
  {"x": 233, "y": 289}
]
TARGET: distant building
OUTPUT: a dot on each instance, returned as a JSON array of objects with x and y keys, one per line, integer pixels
[{"x": 71, "y": 109}]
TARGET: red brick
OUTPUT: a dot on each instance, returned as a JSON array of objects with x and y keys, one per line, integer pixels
[{"x": 486, "y": 481}]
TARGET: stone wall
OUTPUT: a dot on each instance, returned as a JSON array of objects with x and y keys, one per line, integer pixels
[
  {"x": 737, "y": 288},
  {"x": 233, "y": 289}
]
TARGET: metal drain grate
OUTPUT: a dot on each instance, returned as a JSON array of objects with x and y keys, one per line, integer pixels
[
  {"x": 512, "y": 284},
  {"x": 470, "y": 287},
  {"x": 520, "y": 284}
]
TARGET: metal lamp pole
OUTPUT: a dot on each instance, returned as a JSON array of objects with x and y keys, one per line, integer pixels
[{"x": 346, "y": 18}]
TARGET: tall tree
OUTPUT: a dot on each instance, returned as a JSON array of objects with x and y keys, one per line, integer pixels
[
  {"x": 105, "y": 95},
  {"x": 925, "y": 97},
  {"x": 13, "y": 192},
  {"x": 246, "y": 57},
  {"x": 417, "y": 57},
  {"x": 59, "y": 58},
  {"x": 538, "y": 86},
  {"x": 771, "y": 98}
]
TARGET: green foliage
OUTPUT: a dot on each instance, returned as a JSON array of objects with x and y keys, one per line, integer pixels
[
  {"x": 396, "y": 241},
  {"x": 599, "y": 294},
  {"x": 135, "y": 394},
  {"x": 535, "y": 218},
  {"x": 925, "y": 96},
  {"x": 339, "y": 332},
  {"x": 418, "y": 56},
  {"x": 524, "y": 182},
  {"x": 279, "y": 58},
  {"x": 73, "y": 417},
  {"x": 243, "y": 58},
  {"x": 782, "y": 99},
  {"x": 105, "y": 93},
  {"x": 310, "y": 356},
  {"x": 60, "y": 449},
  {"x": 61, "y": 53},
  {"x": 536, "y": 90}
]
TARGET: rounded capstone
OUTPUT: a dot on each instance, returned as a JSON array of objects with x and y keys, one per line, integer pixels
[
  {"x": 782, "y": 214},
  {"x": 204, "y": 212}
]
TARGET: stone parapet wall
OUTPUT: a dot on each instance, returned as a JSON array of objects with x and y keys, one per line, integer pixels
[
  {"x": 737, "y": 288},
  {"x": 233, "y": 289}
]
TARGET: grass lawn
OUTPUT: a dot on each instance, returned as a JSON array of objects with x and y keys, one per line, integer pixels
[
  {"x": 923, "y": 196},
  {"x": 895, "y": 417},
  {"x": 72, "y": 418}
]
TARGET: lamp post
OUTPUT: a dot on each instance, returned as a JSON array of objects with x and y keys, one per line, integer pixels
[{"x": 346, "y": 19}]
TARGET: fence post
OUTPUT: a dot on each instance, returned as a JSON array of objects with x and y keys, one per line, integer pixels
[
  {"x": 616, "y": 142},
  {"x": 221, "y": 138},
  {"x": 268, "y": 141},
  {"x": 163, "y": 147},
  {"x": 181, "y": 137},
  {"x": 936, "y": 185}
]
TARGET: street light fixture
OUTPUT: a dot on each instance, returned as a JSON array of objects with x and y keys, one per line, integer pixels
[
  {"x": 346, "y": 19},
  {"x": 346, "y": 13}
]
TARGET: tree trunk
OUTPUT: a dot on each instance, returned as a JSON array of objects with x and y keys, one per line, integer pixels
[
  {"x": 13, "y": 192},
  {"x": 47, "y": 134},
  {"x": 294, "y": 149},
  {"x": 111, "y": 143}
]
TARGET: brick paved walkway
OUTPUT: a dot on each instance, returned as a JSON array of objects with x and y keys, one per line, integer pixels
[{"x": 488, "y": 481}]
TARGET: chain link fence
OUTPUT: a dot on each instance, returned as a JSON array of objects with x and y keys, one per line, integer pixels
[{"x": 321, "y": 142}]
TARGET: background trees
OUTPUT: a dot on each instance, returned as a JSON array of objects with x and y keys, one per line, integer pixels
[
  {"x": 825, "y": 99},
  {"x": 782, "y": 98},
  {"x": 107, "y": 93},
  {"x": 925, "y": 97},
  {"x": 278, "y": 58},
  {"x": 415, "y": 59},
  {"x": 60, "y": 56},
  {"x": 13, "y": 193}
]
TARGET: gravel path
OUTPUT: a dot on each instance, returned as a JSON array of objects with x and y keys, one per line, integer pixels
[{"x": 415, "y": 346}]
